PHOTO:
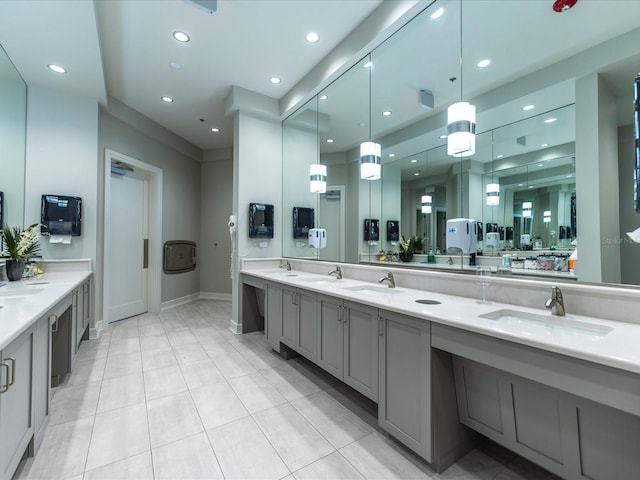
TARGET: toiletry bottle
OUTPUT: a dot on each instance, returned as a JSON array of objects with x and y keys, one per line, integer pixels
[{"x": 431, "y": 258}]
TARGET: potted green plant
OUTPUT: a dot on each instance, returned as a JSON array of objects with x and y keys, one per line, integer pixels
[
  {"x": 409, "y": 246},
  {"x": 18, "y": 245}
]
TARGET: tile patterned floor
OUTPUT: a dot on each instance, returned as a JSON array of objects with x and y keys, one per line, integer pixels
[{"x": 176, "y": 395}]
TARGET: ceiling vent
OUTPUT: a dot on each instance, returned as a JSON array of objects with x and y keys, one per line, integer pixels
[
  {"x": 522, "y": 141},
  {"x": 210, "y": 6},
  {"x": 426, "y": 99}
]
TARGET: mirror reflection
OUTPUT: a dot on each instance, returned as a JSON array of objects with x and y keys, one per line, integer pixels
[
  {"x": 539, "y": 125},
  {"x": 13, "y": 98}
]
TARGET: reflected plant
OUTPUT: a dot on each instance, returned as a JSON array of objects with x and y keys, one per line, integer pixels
[{"x": 20, "y": 244}]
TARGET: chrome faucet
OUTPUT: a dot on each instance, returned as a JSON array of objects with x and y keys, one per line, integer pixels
[
  {"x": 556, "y": 302},
  {"x": 389, "y": 278},
  {"x": 286, "y": 265},
  {"x": 337, "y": 272},
  {"x": 450, "y": 261}
]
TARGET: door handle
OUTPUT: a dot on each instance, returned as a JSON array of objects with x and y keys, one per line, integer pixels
[
  {"x": 145, "y": 253},
  {"x": 5, "y": 387}
]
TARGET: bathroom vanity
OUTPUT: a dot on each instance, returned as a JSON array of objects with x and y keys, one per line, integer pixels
[
  {"x": 42, "y": 322},
  {"x": 563, "y": 392}
]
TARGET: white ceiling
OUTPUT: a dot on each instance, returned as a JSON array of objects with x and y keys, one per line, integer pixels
[{"x": 123, "y": 48}]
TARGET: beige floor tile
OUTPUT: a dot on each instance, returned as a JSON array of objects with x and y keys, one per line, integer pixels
[
  {"x": 91, "y": 349},
  {"x": 216, "y": 346},
  {"x": 293, "y": 437},
  {"x": 331, "y": 466},
  {"x": 189, "y": 353},
  {"x": 255, "y": 392},
  {"x": 121, "y": 365},
  {"x": 172, "y": 418},
  {"x": 151, "y": 329},
  {"x": 181, "y": 337},
  {"x": 87, "y": 372},
  {"x": 155, "y": 341},
  {"x": 217, "y": 404},
  {"x": 63, "y": 451},
  {"x": 201, "y": 373},
  {"x": 260, "y": 357},
  {"x": 121, "y": 392},
  {"x": 163, "y": 381},
  {"x": 74, "y": 402},
  {"x": 335, "y": 422},
  {"x": 138, "y": 467},
  {"x": 377, "y": 458},
  {"x": 118, "y": 434},
  {"x": 124, "y": 346},
  {"x": 232, "y": 441},
  {"x": 190, "y": 458}
]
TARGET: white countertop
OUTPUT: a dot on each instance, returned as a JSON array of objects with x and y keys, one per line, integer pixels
[
  {"x": 25, "y": 301},
  {"x": 620, "y": 348}
]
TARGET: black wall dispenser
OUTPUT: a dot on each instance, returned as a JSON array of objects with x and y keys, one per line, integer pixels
[
  {"x": 260, "y": 220},
  {"x": 61, "y": 215}
]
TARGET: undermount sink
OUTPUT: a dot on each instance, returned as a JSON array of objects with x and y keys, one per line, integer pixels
[
  {"x": 373, "y": 290},
  {"x": 19, "y": 292},
  {"x": 320, "y": 280},
  {"x": 516, "y": 318}
]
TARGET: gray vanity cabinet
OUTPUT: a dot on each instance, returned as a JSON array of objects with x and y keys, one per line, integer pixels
[
  {"x": 82, "y": 312},
  {"x": 404, "y": 407},
  {"x": 347, "y": 343},
  {"x": 41, "y": 379},
  {"x": 299, "y": 321},
  {"x": 16, "y": 392},
  {"x": 273, "y": 314}
]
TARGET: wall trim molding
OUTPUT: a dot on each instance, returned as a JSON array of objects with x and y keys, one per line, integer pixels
[
  {"x": 94, "y": 333},
  {"x": 215, "y": 296},
  {"x": 179, "y": 301}
]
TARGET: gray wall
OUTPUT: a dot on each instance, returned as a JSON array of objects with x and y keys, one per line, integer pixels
[
  {"x": 180, "y": 189},
  {"x": 216, "y": 186},
  {"x": 629, "y": 219}
]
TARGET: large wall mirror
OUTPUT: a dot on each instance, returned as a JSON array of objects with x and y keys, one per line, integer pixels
[
  {"x": 533, "y": 152},
  {"x": 13, "y": 114}
]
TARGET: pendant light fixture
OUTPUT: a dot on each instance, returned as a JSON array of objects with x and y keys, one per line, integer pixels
[
  {"x": 370, "y": 152},
  {"x": 527, "y": 209},
  {"x": 426, "y": 202},
  {"x": 318, "y": 172},
  {"x": 461, "y": 119},
  {"x": 493, "y": 189}
]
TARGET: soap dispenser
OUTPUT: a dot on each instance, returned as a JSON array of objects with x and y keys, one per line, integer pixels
[{"x": 431, "y": 258}]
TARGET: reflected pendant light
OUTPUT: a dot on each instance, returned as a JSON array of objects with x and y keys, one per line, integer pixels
[
  {"x": 546, "y": 218},
  {"x": 426, "y": 203},
  {"x": 370, "y": 167},
  {"x": 461, "y": 120},
  {"x": 318, "y": 178},
  {"x": 493, "y": 194},
  {"x": 527, "y": 208}
]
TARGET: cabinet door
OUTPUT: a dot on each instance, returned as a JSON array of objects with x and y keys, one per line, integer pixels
[
  {"x": 79, "y": 320},
  {"x": 16, "y": 422},
  {"x": 307, "y": 328},
  {"x": 41, "y": 378},
  {"x": 404, "y": 407},
  {"x": 273, "y": 315},
  {"x": 289, "y": 317},
  {"x": 330, "y": 335},
  {"x": 86, "y": 318},
  {"x": 361, "y": 349}
]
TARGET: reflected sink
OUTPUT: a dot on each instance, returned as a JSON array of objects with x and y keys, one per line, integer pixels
[
  {"x": 516, "y": 318},
  {"x": 373, "y": 290},
  {"x": 19, "y": 292}
]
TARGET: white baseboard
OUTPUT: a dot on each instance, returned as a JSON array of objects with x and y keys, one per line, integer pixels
[
  {"x": 179, "y": 301},
  {"x": 215, "y": 296},
  {"x": 94, "y": 333},
  {"x": 235, "y": 327}
]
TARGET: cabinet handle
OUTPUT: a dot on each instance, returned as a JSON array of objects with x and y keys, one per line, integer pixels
[
  {"x": 339, "y": 313},
  {"x": 5, "y": 387},
  {"x": 380, "y": 330},
  {"x": 54, "y": 325},
  {"x": 13, "y": 370},
  {"x": 75, "y": 298}
]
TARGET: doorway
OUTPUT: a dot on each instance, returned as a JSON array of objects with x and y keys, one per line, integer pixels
[
  {"x": 331, "y": 216},
  {"x": 132, "y": 237}
]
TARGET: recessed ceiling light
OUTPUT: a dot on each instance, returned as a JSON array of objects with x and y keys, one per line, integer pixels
[
  {"x": 526, "y": 108},
  {"x": 329, "y": 140},
  {"x": 484, "y": 63},
  {"x": 57, "y": 68},
  {"x": 443, "y": 136},
  {"x": 312, "y": 37},
  {"x": 544, "y": 144},
  {"x": 361, "y": 124},
  {"x": 413, "y": 160},
  {"x": 437, "y": 14},
  {"x": 275, "y": 80},
  {"x": 569, "y": 176},
  {"x": 324, "y": 97},
  {"x": 499, "y": 156},
  {"x": 386, "y": 113},
  {"x": 181, "y": 36},
  {"x": 521, "y": 184},
  {"x": 416, "y": 174},
  {"x": 392, "y": 155},
  {"x": 540, "y": 165},
  {"x": 175, "y": 65},
  {"x": 215, "y": 130},
  {"x": 369, "y": 64},
  {"x": 550, "y": 120},
  {"x": 530, "y": 186},
  {"x": 166, "y": 99}
]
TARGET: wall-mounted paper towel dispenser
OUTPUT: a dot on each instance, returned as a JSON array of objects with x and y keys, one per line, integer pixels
[
  {"x": 61, "y": 215},
  {"x": 179, "y": 256}
]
